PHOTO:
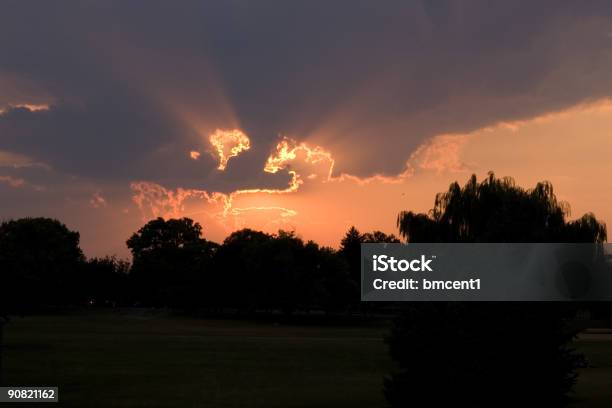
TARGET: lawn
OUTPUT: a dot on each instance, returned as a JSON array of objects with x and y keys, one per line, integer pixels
[
  {"x": 594, "y": 388},
  {"x": 137, "y": 359}
]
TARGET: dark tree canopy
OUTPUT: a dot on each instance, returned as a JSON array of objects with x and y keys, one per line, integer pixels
[
  {"x": 170, "y": 259},
  {"x": 350, "y": 250},
  {"x": 379, "y": 237},
  {"x": 487, "y": 354},
  {"x": 497, "y": 210},
  {"x": 279, "y": 272},
  {"x": 39, "y": 263},
  {"x": 105, "y": 281},
  {"x": 160, "y": 234},
  {"x": 250, "y": 271}
]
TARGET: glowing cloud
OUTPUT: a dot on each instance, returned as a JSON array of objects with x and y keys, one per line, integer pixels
[
  {"x": 230, "y": 209},
  {"x": 441, "y": 153},
  {"x": 288, "y": 150},
  {"x": 154, "y": 200},
  {"x": 32, "y": 107},
  {"x": 319, "y": 164},
  {"x": 216, "y": 209},
  {"x": 290, "y": 155},
  {"x": 29, "y": 106},
  {"x": 228, "y": 144}
]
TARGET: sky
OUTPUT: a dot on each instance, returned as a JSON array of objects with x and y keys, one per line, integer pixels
[{"x": 309, "y": 116}]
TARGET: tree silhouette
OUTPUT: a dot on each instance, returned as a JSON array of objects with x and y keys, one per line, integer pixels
[
  {"x": 278, "y": 272},
  {"x": 169, "y": 262},
  {"x": 379, "y": 237},
  {"x": 241, "y": 262},
  {"x": 331, "y": 285},
  {"x": 487, "y": 354},
  {"x": 39, "y": 263},
  {"x": 497, "y": 210},
  {"x": 105, "y": 281},
  {"x": 350, "y": 248}
]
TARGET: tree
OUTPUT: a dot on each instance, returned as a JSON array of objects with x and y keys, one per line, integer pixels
[
  {"x": 350, "y": 250},
  {"x": 105, "y": 281},
  {"x": 169, "y": 262},
  {"x": 496, "y": 210},
  {"x": 278, "y": 272},
  {"x": 306, "y": 276},
  {"x": 40, "y": 259},
  {"x": 332, "y": 286},
  {"x": 39, "y": 262},
  {"x": 241, "y": 265},
  {"x": 379, "y": 237},
  {"x": 487, "y": 354}
]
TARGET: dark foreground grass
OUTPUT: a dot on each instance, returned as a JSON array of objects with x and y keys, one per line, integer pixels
[
  {"x": 594, "y": 387},
  {"x": 136, "y": 359}
]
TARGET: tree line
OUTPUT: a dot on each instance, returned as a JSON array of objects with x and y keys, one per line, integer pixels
[{"x": 173, "y": 265}]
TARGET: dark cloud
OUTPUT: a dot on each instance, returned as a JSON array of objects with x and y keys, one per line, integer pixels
[{"x": 134, "y": 87}]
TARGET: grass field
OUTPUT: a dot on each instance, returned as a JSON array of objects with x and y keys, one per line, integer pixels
[{"x": 128, "y": 359}]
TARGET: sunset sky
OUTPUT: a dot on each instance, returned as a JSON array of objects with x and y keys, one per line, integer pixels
[{"x": 306, "y": 116}]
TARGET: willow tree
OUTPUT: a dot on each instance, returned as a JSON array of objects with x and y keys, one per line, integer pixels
[
  {"x": 479, "y": 353},
  {"x": 497, "y": 210}
]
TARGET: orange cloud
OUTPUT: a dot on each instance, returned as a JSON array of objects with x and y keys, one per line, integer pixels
[
  {"x": 97, "y": 201},
  {"x": 228, "y": 144},
  {"x": 32, "y": 107},
  {"x": 441, "y": 153},
  {"x": 318, "y": 163},
  {"x": 215, "y": 210},
  {"x": 154, "y": 200},
  {"x": 288, "y": 150}
]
